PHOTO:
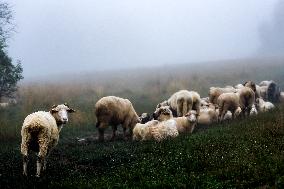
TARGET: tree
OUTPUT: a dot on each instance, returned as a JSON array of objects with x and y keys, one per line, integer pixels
[{"x": 9, "y": 74}]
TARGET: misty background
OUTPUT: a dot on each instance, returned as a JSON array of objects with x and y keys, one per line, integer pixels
[{"x": 73, "y": 36}]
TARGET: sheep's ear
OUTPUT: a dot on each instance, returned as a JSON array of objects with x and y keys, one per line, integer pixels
[{"x": 70, "y": 110}]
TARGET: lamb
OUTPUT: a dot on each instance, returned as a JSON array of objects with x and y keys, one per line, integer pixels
[
  {"x": 40, "y": 133},
  {"x": 182, "y": 102},
  {"x": 215, "y": 92},
  {"x": 263, "y": 106},
  {"x": 187, "y": 123},
  {"x": 112, "y": 110},
  {"x": 228, "y": 101}
]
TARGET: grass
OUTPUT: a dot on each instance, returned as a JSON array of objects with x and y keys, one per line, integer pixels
[{"x": 242, "y": 154}]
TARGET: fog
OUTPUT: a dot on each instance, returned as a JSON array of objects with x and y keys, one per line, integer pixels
[{"x": 71, "y": 36}]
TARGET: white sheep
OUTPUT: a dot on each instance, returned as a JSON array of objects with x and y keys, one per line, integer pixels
[
  {"x": 112, "y": 110},
  {"x": 187, "y": 123},
  {"x": 164, "y": 127},
  {"x": 40, "y": 133},
  {"x": 253, "y": 110},
  {"x": 263, "y": 106},
  {"x": 4, "y": 104}
]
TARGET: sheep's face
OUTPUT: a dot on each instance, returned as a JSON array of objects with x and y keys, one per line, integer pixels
[
  {"x": 163, "y": 113},
  {"x": 192, "y": 116},
  {"x": 60, "y": 112},
  {"x": 144, "y": 118}
]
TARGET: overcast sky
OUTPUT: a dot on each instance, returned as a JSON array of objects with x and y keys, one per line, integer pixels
[{"x": 72, "y": 36}]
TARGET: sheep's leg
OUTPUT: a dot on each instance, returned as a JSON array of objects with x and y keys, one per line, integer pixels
[
  {"x": 101, "y": 129},
  {"x": 114, "y": 128},
  {"x": 179, "y": 107},
  {"x": 43, "y": 148},
  {"x": 24, "y": 150},
  {"x": 125, "y": 125}
]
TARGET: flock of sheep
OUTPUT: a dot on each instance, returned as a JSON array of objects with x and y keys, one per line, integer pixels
[{"x": 179, "y": 114}]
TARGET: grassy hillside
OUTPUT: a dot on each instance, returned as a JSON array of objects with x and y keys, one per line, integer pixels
[{"x": 245, "y": 153}]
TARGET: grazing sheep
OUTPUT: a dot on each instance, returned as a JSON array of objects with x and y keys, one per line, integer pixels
[
  {"x": 208, "y": 115},
  {"x": 144, "y": 118},
  {"x": 113, "y": 111},
  {"x": 263, "y": 106},
  {"x": 187, "y": 123},
  {"x": 246, "y": 100},
  {"x": 228, "y": 101},
  {"x": 215, "y": 92},
  {"x": 40, "y": 133}
]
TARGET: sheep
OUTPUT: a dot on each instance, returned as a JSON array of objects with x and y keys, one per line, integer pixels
[
  {"x": 215, "y": 92},
  {"x": 263, "y": 106},
  {"x": 246, "y": 99},
  {"x": 182, "y": 102},
  {"x": 281, "y": 99},
  {"x": 142, "y": 131},
  {"x": 187, "y": 123},
  {"x": 40, "y": 133},
  {"x": 112, "y": 110},
  {"x": 239, "y": 86},
  {"x": 228, "y": 101},
  {"x": 253, "y": 110},
  {"x": 165, "y": 129},
  {"x": 273, "y": 90},
  {"x": 160, "y": 129},
  {"x": 163, "y": 113},
  {"x": 208, "y": 114},
  {"x": 144, "y": 118},
  {"x": 4, "y": 104}
]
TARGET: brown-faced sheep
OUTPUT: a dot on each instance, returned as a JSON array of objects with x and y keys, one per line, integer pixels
[
  {"x": 215, "y": 92},
  {"x": 113, "y": 111},
  {"x": 40, "y": 133}
]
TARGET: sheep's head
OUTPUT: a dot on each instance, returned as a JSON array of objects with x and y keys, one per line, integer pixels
[
  {"x": 144, "y": 118},
  {"x": 251, "y": 85},
  {"x": 163, "y": 113},
  {"x": 60, "y": 113},
  {"x": 164, "y": 103},
  {"x": 192, "y": 116}
]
